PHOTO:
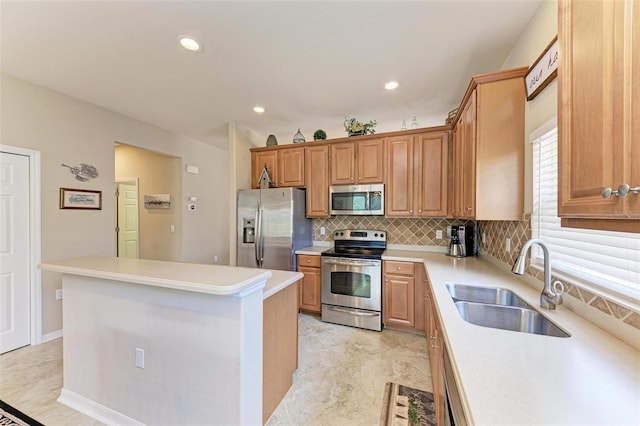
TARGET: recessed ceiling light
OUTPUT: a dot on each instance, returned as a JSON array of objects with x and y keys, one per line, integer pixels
[
  {"x": 391, "y": 85},
  {"x": 189, "y": 43},
  {"x": 258, "y": 109}
]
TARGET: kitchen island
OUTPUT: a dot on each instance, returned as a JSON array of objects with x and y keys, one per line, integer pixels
[{"x": 154, "y": 342}]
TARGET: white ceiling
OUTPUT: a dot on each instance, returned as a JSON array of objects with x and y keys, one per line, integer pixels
[{"x": 309, "y": 64}]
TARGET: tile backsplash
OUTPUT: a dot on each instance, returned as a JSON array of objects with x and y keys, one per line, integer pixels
[
  {"x": 414, "y": 232},
  {"x": 422, "y": 232},
  {"x": 493, "y": 244}
]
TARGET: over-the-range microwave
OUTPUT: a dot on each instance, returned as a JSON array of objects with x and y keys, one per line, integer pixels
[{"x": 356, "y": 199}]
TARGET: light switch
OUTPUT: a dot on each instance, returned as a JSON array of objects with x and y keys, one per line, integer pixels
[{"x": 139, "y": 358}]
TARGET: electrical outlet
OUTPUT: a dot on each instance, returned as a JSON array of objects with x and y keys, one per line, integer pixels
[
  {"x": 323, "y": 230},
  {"x": 215, "y": 259},
  {"x": 439, "y": 234},
  {"x": 139, "y": 358},
  {"x": 59, "y": 294},
  {"x": 191, "y": 207},
  {"x": 507, "y": 245}
]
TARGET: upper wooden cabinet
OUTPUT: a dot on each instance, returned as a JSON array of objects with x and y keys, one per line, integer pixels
[
  {"x": 599, "y": 114},
  {"x": 285, "y": 166},
  {"x": 260, "y": 160},
  {"x": 357, "y": 162},
  {"x": 291, "y": 167},
  {"x": 488, "y": 164},
  {"x": 317, "y": 179},
  {"x": 417, "y": 174}
]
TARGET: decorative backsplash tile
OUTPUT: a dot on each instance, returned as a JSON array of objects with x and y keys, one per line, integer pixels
[
  {"x": 414, "y": 232},
  {"x": 492, "y": 244}
]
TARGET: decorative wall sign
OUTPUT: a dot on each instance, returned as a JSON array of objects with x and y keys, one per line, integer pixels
[
  {"x": 543, "y": 70},
  {"x": 157, "y": 201},
  {"x": 81, "y": 199},
  {"x": 83, "y": 172}
]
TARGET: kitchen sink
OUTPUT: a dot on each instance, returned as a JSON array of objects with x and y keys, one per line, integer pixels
[
  {"x": 493, "y": 295},
  {"x": 522, "y": 319}
]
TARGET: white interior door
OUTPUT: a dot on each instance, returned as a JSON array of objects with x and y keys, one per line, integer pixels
[
  {"x": 127, "y": 219},
  {"x": 15, "y": 327}
]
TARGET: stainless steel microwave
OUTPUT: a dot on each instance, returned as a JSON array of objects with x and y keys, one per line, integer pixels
[{"x": 357, "y": 199}]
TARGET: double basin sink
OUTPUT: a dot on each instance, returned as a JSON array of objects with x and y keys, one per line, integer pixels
[{"x": 500, "y": 308}]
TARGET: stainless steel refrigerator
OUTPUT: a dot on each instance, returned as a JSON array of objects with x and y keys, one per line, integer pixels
[{"x": 272, "y": 225}]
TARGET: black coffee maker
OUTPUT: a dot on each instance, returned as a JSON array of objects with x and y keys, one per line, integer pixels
[{"x": 461, "y": 241}]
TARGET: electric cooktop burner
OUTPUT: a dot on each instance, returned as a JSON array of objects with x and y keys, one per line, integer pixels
[{"x": 361, "y": 244}]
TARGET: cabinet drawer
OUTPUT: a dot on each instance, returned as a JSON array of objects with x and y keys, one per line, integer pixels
[
  {"x": 307, "y": 260},
  {"x": 398, "y": 268}
]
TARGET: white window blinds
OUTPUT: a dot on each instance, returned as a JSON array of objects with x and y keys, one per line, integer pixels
[{"x": 607, "y": 259}]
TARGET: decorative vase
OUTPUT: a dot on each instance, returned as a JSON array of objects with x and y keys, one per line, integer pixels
[
  {"x": 272, "y": 141},
  {"x": 298, "y": 137}
]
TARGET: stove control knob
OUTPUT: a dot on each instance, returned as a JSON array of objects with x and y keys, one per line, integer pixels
[
  {"x": 381, "y": 235},
  {"x": 375, "y": 235}
]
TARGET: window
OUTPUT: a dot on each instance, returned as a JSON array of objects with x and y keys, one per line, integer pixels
[{"x": 604, "y": 259}]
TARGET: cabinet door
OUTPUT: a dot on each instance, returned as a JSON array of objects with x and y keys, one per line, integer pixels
[
  {"x": 399, "y": 300},
  {"x": 591, "y": 121},
  {"x": 399, "y": 183},
  {"x": 291, "y": 167},
  {"x": 468, "y": 158},
  {"x": 633, "y": 146},
  {"x": 343, "y": 163},
  {"x": 431, "y": 174},
  {"x": 435, "y": 351},
  {"x": 310, "y": 289},
  {"x": 258, "y": 161},
  {"x": 370, "y": 161},
  {"x": 317, "y": 180}
]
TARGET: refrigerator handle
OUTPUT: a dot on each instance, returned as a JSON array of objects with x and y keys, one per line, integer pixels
[{"x": 258, "y": 239}]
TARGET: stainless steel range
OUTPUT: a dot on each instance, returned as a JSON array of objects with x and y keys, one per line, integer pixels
[{"x": 352, "y": 279}]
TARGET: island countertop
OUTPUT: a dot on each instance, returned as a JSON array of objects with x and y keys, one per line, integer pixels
[{"x": 200, "y": 278}]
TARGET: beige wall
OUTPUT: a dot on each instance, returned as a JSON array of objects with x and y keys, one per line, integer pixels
[
  {"x": 66, "y": 130},
  {"x": 156, "y": 174}
]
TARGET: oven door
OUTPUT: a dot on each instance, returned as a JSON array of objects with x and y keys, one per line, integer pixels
[{"x": 354, "y": 283}]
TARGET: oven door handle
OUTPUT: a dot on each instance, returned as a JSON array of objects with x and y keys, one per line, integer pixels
[
  {"x": 360, "y": 314},
  {"x": 350, "y": 262}
]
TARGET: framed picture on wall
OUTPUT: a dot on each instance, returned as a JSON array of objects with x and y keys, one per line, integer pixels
[{"x": 81, "y": 199}]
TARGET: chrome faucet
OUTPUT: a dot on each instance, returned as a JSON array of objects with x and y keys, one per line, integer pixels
[{"x": 550, "y": 297}]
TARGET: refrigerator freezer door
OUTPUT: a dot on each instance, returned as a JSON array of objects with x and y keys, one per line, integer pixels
[
  {"x": 248, "y": 201},
  {"x": 277, "y": 229}
]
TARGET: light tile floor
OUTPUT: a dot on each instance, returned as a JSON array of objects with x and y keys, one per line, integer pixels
[{"x": 340, "y": 379}]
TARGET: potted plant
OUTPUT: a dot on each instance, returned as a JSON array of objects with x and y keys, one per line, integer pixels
[
  {"x": 354, "y": 127},
  {"x": 319, "y": 135}
]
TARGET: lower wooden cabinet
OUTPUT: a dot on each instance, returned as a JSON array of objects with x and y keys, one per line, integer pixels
[
  {"x": 309, "y": 290},
  {"x": 435, "y": 350},
  {"x": 403, "y": 293}
]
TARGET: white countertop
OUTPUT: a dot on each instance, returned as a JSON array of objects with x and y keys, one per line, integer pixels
[
  {"x": 313, "y": 250},
  {"x": 280, "y": 280},
  {"x": 512, "y": 378},
  {"x": 211, "y": 279}
]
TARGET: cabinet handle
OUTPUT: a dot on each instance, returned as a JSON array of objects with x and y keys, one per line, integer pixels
[
  {"x": 622, "y": 191},
  {"x": 434, "y": 346},
  {"x": 432, "y": 337},
  {"x": 469, "y": 209}
]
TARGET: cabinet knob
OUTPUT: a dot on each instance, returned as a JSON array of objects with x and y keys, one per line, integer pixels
[
  {"x": 434, "y": 346},
  {"x": 432, "y": 337},
  {"x": 308, "y": 260},
  {"x": 469, "y": 209},
  {"x": 398, "y": 268},
  {"x": 622, "y": 191}
]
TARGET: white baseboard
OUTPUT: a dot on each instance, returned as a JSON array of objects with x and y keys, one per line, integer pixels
[
  {"x": 94, "y": 410},
  {"x": 51, "y": 336}
]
